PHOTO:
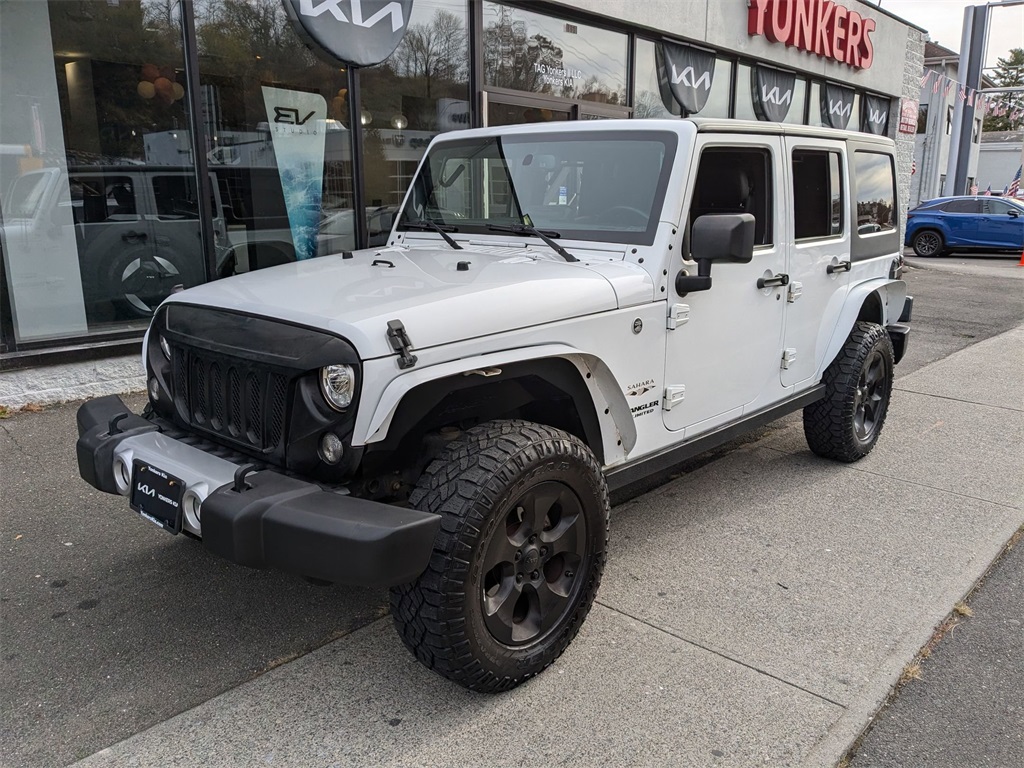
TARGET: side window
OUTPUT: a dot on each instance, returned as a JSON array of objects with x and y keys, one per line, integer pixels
[
  {"x": 876, "y": 192},
  {"x": 176, "y": 197},
  {"x": 817, "y": 194},
  {"x": 736, "y": 180},
  {"x": 102, "y": 198},
  {"x": 963, "y": 206},
  {"x": 999, "y": 208}
]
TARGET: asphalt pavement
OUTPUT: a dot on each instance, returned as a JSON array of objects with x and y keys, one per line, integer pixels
[{"x": 757, "y": 609}]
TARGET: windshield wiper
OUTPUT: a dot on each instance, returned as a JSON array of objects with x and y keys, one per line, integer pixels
[
  {"x": 441, "y": 229},
  {"x": 546, "y": 235}
]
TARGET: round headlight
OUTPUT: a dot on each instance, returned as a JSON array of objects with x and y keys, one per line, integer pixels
[
  {"x": 165, "y": 347},
  {"x": 338, "y": 384}
]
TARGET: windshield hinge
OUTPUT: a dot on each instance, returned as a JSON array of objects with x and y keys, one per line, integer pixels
[{"x": 399, "y": 341}]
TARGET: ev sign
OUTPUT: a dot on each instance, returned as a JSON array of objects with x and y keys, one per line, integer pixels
[{"x": 358, "y": 32}]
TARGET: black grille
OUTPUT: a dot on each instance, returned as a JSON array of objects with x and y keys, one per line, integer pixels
[{"x": 234, "y": 399}]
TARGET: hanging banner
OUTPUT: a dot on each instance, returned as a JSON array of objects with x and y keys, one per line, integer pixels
[
  {"x": 357, "y": 32},
  {"x": 297, "y": 122},
  {"x": 908, "y": 116},
  {"x": 874, "y": 114},
  {"x": 836, "y": 105},
  {"x": 772, "y": 92},
  {"x": 686, "y": 73}
]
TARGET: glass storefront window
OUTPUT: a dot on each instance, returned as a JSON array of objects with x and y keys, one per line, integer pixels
[
  {"x": 93, "y": 96},
  {"x": 652, "y": 102},
  {"x": 278, "y": 142},
  {"x": 421, "y": 90},
  {"x": 528, "y": 51}
]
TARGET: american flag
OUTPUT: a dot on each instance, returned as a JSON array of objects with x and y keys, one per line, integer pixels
[{"x": 1014, "y": 187}]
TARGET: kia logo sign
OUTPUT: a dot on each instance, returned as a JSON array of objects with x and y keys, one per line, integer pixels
[{"x": 357, "y": 32}]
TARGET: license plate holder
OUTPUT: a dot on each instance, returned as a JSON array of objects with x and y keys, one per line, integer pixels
[{"x": 156, "y": 495}]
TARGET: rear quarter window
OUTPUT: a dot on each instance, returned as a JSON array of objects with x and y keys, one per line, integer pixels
[{"x": 875, "y": 181}]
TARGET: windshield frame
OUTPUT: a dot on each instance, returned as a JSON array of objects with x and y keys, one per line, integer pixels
[{"x": 424, "y": 185}]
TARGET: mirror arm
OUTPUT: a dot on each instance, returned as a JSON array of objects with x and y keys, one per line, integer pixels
[{"x": 700, "y": 282}]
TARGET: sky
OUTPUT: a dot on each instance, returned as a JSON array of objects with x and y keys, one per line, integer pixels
[{"x": 944, "y": 18}]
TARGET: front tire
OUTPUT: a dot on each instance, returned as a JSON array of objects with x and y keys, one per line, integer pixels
[
  {"x": 927, "y": 243},
  {"x": 519, "y": 557},
  {"x": 845, "y": 424}
]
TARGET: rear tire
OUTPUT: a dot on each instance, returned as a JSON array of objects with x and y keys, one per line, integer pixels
[
  {"x": 517, "y": 561},
  {"x": 927, "y": 243},
  {"x": 845, "y": 424}
]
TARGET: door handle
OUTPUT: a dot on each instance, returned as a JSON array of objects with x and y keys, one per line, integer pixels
[
  {"x": 842, "y": 266},
  {"x": 773, "y": 282},
  {"x": 133, "y": 236}
]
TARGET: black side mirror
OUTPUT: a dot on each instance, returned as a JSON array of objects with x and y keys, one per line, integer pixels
[
  {"x": 717, "y": 237},
  {"x": 1013, "y": 214}
]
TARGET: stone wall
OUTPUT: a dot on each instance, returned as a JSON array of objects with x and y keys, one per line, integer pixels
[
  {"x": 71, "y": 381},
  {"x": 913, "y": 67}
]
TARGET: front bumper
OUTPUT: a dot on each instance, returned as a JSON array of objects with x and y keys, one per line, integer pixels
[{"x": 267, "y": 519}]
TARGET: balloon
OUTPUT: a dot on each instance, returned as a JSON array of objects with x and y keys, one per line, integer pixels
[
  {"x": 177, "y": 91},
  {"x": 167, "y": 72},
  {"x": 164, "y": 87},
  {"x": 146, "y": 90},
  {"x": 150, "y": 72}
]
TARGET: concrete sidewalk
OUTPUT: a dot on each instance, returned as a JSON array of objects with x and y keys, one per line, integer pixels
[{"x": 756, "y": 611}]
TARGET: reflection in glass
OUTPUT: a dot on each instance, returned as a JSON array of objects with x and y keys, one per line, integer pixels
[
  {"x": 529, "y": 51},
  {"x": 278, "y": 142},
  {"x": 94, "y": 91},
  {"x": 876, "y": 192},
  {"x": 420, "y": 91}
]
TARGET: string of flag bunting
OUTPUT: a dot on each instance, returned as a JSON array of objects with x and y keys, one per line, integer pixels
[{"x": 993, "y": 104}]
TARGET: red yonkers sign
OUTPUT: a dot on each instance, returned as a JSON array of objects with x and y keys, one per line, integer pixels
[{"x": 819, "y": 26}]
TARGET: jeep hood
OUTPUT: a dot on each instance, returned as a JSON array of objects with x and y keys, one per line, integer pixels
[{"x": 441, "y": 296}]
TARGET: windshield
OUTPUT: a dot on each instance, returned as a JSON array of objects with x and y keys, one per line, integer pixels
[
  {"x": 26, "y": 194},
  {"x": 601, "y": 186}
]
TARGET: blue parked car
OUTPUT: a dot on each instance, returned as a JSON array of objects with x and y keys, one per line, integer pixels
[{"x": 975, "y": 223}]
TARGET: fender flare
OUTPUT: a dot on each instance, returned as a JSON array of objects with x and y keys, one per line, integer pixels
[
  {"x": 618, "y": 430},
  {"x": 885, "y": 308}
]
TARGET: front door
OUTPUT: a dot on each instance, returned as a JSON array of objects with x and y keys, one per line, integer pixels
[{"x": 723, "y": 361}]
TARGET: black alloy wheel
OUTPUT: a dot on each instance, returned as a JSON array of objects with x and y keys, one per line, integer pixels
[
  {"x": 871, "y": 396},
  {"x": 927, "y": 242},
  {"x": 531, "y": 562},
  {"x": 518, "y": 559},
  {"x": 845, "y": 424}
]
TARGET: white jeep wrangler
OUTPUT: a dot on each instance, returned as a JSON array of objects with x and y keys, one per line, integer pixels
[{"x": 558, "y": 310}]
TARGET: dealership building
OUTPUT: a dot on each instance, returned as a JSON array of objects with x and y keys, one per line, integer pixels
[{"x": 146, "y": 144}]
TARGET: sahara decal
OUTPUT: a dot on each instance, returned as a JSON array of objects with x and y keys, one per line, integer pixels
[{"x": 635, "y": 390}]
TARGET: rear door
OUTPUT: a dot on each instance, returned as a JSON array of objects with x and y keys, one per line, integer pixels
[
  {"x": 819, "y": 261},
  {"x": 963, "y": 218}
]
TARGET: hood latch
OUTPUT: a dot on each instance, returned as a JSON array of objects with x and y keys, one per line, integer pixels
[{"x": 399, "y": 341}]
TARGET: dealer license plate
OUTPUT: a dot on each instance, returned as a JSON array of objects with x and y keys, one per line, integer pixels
[{"x": 156, "y": 495}]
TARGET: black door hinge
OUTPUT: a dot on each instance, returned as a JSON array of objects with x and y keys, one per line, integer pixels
[{"x": 399, "y": 341}]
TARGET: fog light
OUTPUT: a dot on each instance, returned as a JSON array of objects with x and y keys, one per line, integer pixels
[
  {"x": 154, "y": 389},
  {"x": 331, "y": 449}
]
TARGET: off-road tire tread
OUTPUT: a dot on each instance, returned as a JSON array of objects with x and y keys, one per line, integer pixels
[
  {"x": 828, "y": 423},
  {"x": 475, "y": 466}
]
